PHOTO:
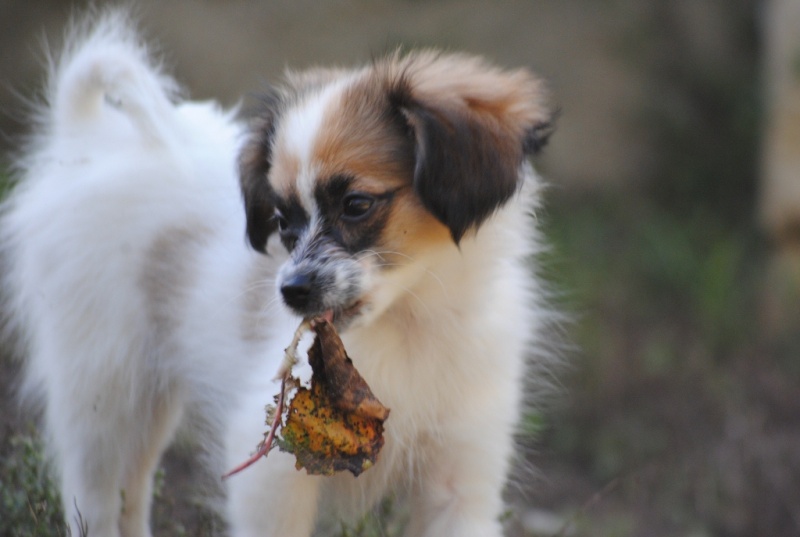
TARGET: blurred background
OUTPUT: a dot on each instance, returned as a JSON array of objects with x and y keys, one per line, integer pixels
[{"x": 674, "y": 218}]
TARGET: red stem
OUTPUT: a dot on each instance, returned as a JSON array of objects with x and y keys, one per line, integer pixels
[{"x": 263, "y": 451}]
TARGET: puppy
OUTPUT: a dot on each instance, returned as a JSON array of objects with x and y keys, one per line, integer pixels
[{"x": 395, "y": 198}]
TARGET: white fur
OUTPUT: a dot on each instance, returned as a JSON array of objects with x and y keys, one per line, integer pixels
[
  {"x": 298, "y": 132},
  {"x": 132, "y": 285},
  {"x": 117, "y": 166}
]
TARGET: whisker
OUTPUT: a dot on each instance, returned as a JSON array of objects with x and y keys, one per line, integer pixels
[
  {"x": 415, "y": 295},
  {"x": 265, "y": 283},
  {"x": 270, "y": 305},
  {"x": 382, "y": 253}
]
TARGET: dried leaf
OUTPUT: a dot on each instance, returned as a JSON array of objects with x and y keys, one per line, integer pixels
[
  {"x": 337, "y": 424},
  {"x": 334, "y": 370}
]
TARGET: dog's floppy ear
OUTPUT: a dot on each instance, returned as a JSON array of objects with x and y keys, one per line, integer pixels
[
  {"x": 255, "y": 160},
  {"x": 472, "y": 126}
]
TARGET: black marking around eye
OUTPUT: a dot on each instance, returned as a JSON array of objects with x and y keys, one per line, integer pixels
[
  {"x": 366, "y": 234},
  {"x": 329, "y": 195},
  {"x": 355, "y": 236},
  {"x": 331, "y": 192},
  {"x": 296, "y": 220}
]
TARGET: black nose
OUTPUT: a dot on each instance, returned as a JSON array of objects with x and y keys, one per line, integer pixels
[{"x": 297, "y": 290}]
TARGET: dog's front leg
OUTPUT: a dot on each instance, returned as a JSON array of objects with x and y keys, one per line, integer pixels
[
  {"x": 272, "y": 499},
  {"x": 460, "y": 490},
  {"x": 165, "y": 416}
]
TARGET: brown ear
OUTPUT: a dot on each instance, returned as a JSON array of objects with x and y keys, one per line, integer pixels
[
  {"x": 472, "y": 124},
  {"x": 255, "y": 160}
]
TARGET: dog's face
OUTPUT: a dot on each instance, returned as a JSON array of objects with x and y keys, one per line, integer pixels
[{"x": 364, "y": 173}]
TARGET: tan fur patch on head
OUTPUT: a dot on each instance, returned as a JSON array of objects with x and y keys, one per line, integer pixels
[
  {"x": 411, "y": 230},
  {"x": 511, "y": 99},
  {"x": 360, "y": 138}
]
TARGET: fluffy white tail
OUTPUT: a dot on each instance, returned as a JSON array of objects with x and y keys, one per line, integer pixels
[{"x": 105, "y": 69}]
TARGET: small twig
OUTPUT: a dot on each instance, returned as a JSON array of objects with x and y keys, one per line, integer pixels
[
  {"x": 266, "y": 445},
  {"x": 284, "y": 374},
  {"x": 290, "y": 352},
  {"x": 591, "y": 502},
  {"x": 83, "y": 525}
]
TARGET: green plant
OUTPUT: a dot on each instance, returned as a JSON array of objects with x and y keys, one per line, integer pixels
[
  {"x": 29, "y": 500},
  {"x": 383, "y": 521}
]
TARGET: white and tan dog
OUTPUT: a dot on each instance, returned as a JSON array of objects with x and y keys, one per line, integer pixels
[{"x": 402, "y": 199}]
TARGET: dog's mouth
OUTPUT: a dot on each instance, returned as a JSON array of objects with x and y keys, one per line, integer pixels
[{"x": 342, "y": 317}]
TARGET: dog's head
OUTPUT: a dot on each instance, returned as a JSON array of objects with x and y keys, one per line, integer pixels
[{"x": 362, "y": 172}]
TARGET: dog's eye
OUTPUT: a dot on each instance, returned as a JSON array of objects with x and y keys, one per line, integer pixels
[
  {"x": 356, "y": 206},
  {"x": 283, "y": 225}
]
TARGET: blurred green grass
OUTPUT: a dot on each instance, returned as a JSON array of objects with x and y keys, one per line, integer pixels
[
  {"x": 677, "y": 395},
  {"x": 29, "y": 500},
  {"x": 681, "y": 395}
]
